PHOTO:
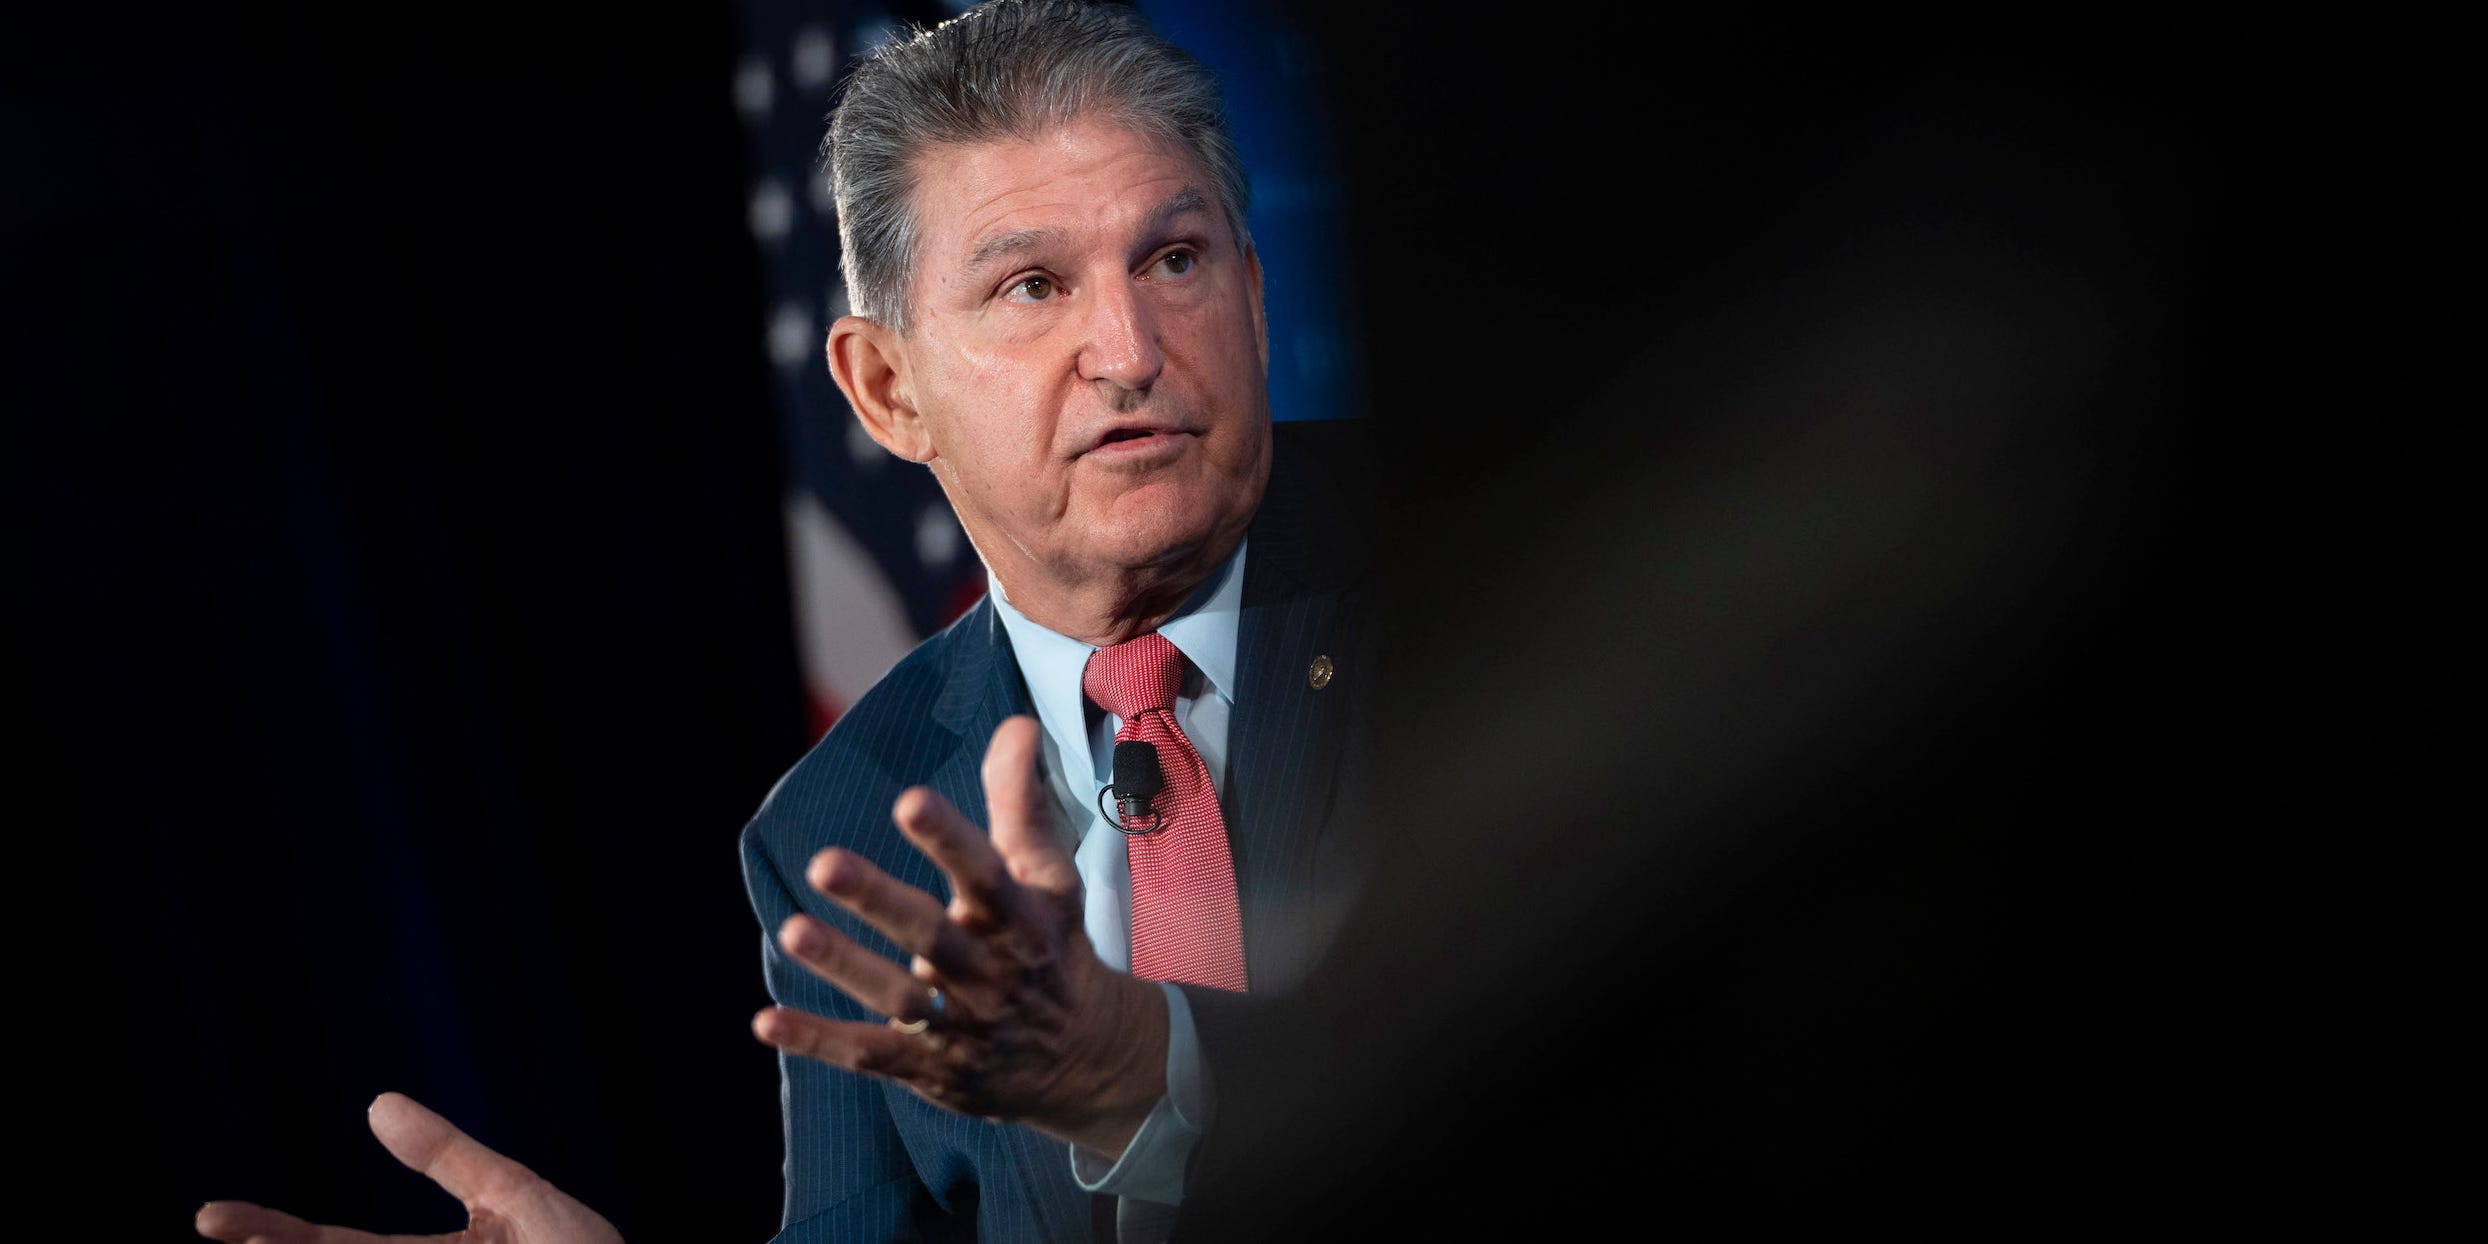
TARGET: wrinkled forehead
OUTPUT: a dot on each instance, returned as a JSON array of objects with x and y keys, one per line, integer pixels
[{"x": 1089, "y": 182}]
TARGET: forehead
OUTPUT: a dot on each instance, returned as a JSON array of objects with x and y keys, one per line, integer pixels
[{"x": 1091, "y": 179}]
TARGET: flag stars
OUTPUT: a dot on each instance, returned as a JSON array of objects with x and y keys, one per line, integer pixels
[
  {"x": 813, "y": 59},
  {"x": 754, "y": 89},
  {"x": 772, "y": 212},
  {"x": 937, "y": 536},
  {"x": 792, "y": 338}
]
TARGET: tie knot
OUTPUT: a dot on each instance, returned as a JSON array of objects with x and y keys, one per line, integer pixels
[{"x": 1134, "y": 676}]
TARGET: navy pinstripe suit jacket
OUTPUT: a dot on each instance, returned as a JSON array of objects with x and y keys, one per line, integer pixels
[{"x": 866, "y": 1160}]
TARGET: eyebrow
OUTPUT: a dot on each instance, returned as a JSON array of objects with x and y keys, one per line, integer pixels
[
  {"x": 1185, "y": 200},
  {"x": 1018, "y": 241},
  {"x": 1021, "y": 241}
]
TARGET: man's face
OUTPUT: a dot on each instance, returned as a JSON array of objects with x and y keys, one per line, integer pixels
[{"x": 1087, "y": 357}]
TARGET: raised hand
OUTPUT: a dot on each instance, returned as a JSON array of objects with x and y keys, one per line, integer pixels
[
  {"x": 1031, "y": 1027},
  {"x": 506, "y": 1203}
]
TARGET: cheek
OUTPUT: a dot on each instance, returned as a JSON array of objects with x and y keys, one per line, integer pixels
[
  {"x": 995, "y": 428},
  {"x": 1222, "y": 355},
  {"x": 1213, "y": 340}
]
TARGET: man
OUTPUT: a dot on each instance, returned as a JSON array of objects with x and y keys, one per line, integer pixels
[{"x": 1058, "y": 311}]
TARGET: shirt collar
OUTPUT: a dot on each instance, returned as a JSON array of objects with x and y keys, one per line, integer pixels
[{"x": 1203, "y": 629}]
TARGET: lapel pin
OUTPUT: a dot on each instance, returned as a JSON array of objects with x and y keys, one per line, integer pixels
[{"x": 1319, "y": 674}]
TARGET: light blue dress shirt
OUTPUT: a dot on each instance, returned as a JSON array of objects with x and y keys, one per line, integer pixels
[{"x": 1079, "y": 757}]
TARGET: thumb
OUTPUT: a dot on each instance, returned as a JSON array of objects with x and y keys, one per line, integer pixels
[
  {"x": 1022, "y": 812},
  {"x": 429, "y": 1144}
]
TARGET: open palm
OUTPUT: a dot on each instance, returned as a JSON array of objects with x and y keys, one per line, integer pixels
[{"x": 506, "y": 1203}]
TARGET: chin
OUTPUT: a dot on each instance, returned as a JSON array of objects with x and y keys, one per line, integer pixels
[
  {"x": 1161, "y": 542},
  {"x": 1144, "y": 525},
  {"x": 1169, "y": 521}
]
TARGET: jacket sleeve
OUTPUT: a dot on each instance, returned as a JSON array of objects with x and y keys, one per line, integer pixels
[{"x": 848, "y": 1176}]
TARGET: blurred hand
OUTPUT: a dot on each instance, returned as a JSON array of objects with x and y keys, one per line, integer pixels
[
  {"x": 506, "y": 1203},
  {"x": 1032, "y": 1028}
]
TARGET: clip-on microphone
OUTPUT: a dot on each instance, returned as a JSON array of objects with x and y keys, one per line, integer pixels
[{"x": 1137, "y": 780}]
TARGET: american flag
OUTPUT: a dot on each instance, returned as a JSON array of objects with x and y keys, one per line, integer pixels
[{"x": 877, "y": 559}]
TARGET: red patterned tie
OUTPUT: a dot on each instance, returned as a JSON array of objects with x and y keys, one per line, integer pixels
[{"x": 1185, "y": 923}]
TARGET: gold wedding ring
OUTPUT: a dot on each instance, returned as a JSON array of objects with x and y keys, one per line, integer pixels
[{"x": 918, "y": 1025}]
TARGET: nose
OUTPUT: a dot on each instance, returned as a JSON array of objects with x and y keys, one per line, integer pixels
[{"x": 1121, "y": 352}]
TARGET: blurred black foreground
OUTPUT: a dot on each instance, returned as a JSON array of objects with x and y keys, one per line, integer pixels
[{"x": 1921, "y": 556}]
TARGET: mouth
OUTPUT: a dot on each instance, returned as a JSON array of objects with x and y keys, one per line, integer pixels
[{"x": 1138, "y": 441}]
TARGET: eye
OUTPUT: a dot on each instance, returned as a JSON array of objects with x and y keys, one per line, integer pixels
[
  {"x": 1177, "y": 262},
  {"x": 1032, "y": 289}
]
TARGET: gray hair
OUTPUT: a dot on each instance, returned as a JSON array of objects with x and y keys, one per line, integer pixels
[{"x": 1007, "y": 69}]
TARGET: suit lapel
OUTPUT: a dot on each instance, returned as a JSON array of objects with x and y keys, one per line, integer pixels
[
  {"x": 983, "y": 686},
  {"x": 1287, "y": 735}
]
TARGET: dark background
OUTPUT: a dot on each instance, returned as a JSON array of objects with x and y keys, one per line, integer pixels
[
  {"x": 1989, "y": 489},
  {"x": 1937, "y": 568},
  {"x": 404, "y": 488}
]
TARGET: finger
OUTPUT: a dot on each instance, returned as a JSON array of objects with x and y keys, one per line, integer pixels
[
  {"x": 903, "y": 913},
  {"x": 958, "y": 847},
  {"x": 1023, "y": 814},
  {"x": 240, "y": 1222},
  {"x": 864, "y": 976},
  {"x": 460, "y": 1164},
  {"x": 869, "y": 1049}
]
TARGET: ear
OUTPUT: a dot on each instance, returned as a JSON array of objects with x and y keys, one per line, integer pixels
[
  {"x": 1252, "y": 286},
  {"x": 870, "y": 365}
]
